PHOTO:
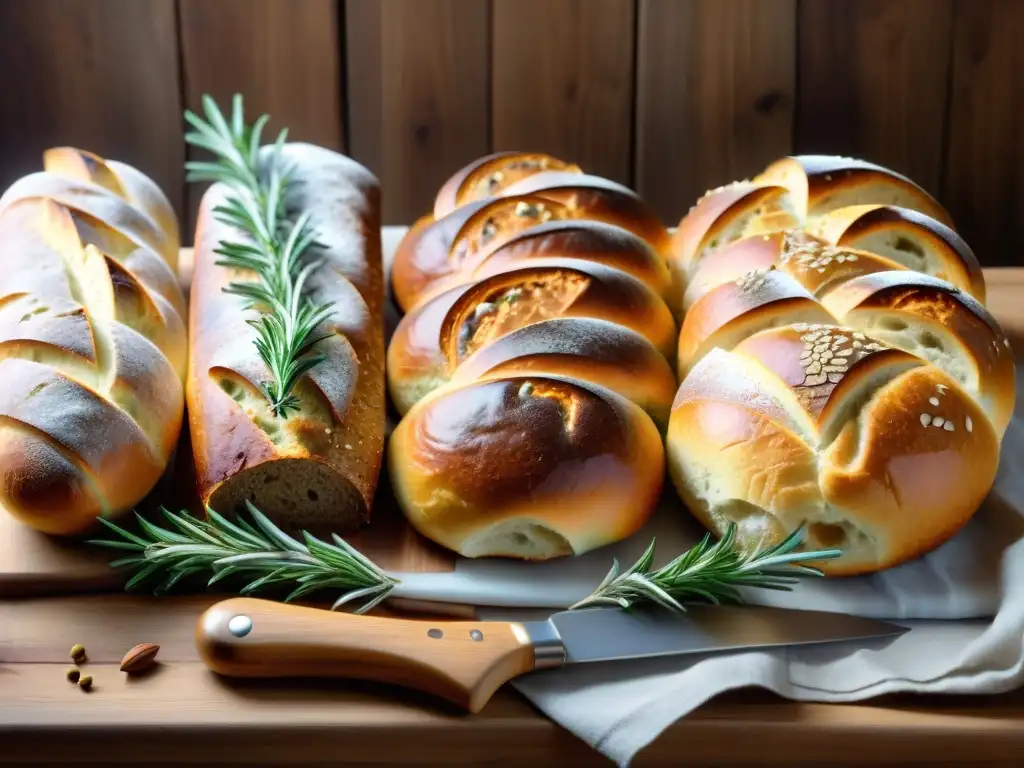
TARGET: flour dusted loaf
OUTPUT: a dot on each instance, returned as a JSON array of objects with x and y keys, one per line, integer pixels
[
  {"x": 534, "y": 364},
  {"x": 92, "y": 341},
  {"x": 838, "y": 368},
  {"x": 317, "y": 468}
]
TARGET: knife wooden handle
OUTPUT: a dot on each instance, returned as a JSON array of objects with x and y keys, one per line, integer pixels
[{"x": 464, "y": 662}]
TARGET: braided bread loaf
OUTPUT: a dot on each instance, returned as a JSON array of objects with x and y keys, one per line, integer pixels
[
  {"x": 534, "y": 366},
  {"x": 92, "y": 341},
  {"x": 838, "y": 367}
]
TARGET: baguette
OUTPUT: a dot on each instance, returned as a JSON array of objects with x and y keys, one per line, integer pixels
[
  {"x": 316, "y": 469},
  {"x": 92, "y": 341}
]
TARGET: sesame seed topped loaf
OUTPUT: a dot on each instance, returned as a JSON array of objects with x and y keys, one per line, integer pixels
[
  {"x": 92, "y": 341},
  {"x": 534, "y": 365},
  {"x": 838, "y": 369}
]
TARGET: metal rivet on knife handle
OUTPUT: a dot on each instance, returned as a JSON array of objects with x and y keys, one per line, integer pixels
[
  {"x": 240, "y": 626},
  {"x": 476, "y": 634},
  {"x": 435, "y": 633}
]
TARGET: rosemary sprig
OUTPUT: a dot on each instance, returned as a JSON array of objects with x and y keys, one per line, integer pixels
[
  {"x": 708, "y": 572},
  {"x": 286, "y": 327},
  {"x": 216, "y": 545}
]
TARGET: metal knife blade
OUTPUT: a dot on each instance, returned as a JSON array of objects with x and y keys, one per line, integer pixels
[{"x": 606, "y": 634}]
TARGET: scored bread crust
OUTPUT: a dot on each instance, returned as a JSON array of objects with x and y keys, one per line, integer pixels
[
  {"x": 569, "y": 207},
  {"x": 533, "y": 368},
  {"x": 425, "y": 349},
  {"x": 92, "y": 341},
  {"x": 839, "y": 371},
  {"x": 316, "y": 469},
  {"x": 490, "y": 175}
]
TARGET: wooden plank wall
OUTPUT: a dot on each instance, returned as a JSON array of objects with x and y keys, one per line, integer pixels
[{"x": 669, "y": 96}]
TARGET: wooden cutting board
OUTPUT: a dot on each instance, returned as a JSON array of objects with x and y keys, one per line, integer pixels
[{"x": 32, "y": 563}]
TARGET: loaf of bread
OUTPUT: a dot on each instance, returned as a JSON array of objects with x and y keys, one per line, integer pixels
[
  {"x": 92, "y": 341},
  {"x": 534, "y": 366},
  {"x": 838, "y": 369},
  {"x": 315, "y": 469}
]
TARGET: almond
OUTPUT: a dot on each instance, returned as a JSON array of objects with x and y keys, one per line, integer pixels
[{"x": 140, "y": 658}]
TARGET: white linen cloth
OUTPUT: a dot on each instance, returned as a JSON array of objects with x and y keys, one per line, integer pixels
[{"x": 964, "y": 603}]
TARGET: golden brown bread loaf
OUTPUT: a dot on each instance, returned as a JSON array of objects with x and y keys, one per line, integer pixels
[
  {"x": 838, "y": 368},
  {"x": 93, "y": 341},
  {"x": 316, "y": 469},
  {"x": 534, "y": 366}
]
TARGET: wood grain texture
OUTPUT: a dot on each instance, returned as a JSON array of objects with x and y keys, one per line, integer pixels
[
  {"x": 563, "y": 81},
  {"x": 284, "y": 58},
  {"x": 440, "y": 658},
  {"x": 715, "y": 95},
  {"x": 873, "y": 82},
  {"x": 984, "y": 178},
  {"x": 183, "y": 713},
  {"x": 429, "y": 116},
  {"x": 100, "y": 75}
]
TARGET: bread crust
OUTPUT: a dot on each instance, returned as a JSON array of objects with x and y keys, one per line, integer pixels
[
  {"x": 573, "y": 213},
  {"x": 425, "y": 350},
  {"x": 316, "y": 469},
  {"x": 580, "y": 462},
  {"x": 534, "y": 366},
  {"x": 92, "y": 342},
  {"x": 839, "y": 371},
  {"x": 488, "y": 176}
]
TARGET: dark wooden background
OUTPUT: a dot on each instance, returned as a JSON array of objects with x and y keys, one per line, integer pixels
[{"x": 669, "y": 96}]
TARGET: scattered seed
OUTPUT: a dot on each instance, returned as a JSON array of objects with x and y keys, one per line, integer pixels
[
  {"x": 926, "y": 419},
  {"x": 85, "y": 682},
  {"x": 934, "y": 401},
  {"x": 73, "y": 674},
  {"x": 938, "y": 421},
  {"x": 140, "y": 658},
  {"x": 969, "y": 424},
  {"x": 77, "y": 652}
]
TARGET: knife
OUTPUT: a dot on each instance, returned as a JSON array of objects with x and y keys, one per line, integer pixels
[{"x": 465, "y": 662}]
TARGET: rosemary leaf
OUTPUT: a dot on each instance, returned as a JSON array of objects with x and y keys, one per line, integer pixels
[
  {"x": 254, "y": 548},
  {"x": 287, "y": 328},
  {"x": 710, "y": 572}
]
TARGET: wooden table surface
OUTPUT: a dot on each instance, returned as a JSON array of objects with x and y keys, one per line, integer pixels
[{"x": 182, "y": 714}]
